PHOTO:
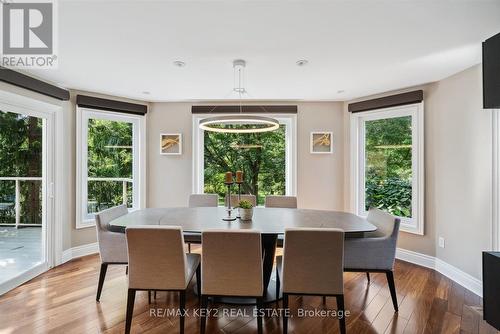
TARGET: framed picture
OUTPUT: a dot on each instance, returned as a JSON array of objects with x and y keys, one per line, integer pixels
[
  {"x": 321, "y": 142},
  {"x": 171, "y": 143}
]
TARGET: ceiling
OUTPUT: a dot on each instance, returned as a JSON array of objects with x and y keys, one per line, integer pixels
[{"x": 126, "y": 48}]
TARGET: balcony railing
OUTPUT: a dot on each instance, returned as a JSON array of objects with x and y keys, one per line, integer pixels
[
  {"x": 17, "y": 200},
  {"x": 91, "y": 207}
]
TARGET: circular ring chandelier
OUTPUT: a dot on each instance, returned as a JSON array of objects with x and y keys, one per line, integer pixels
[
  {"x": 239, "y": 123},
  {"x": 230, "y": 124}
]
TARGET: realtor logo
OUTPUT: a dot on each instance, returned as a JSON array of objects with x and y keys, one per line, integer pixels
[{"x": 28, "y": 32}]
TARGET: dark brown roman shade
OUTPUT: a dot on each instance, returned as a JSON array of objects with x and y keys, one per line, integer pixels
[
  {"x": 415, "y": 96},
  {"x": 111, "y": 105},
  {"x": 225, "y": 109},
  {"x": 21, "y": 80}
]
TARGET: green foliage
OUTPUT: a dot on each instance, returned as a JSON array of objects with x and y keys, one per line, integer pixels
[
  {"x": 263, "y": 166},
  {"x": 245, "y": 204},
  {"x": 388, "y": 170},
  {"x": 109, "y": 156}
]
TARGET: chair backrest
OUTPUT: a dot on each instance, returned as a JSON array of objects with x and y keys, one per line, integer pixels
[
  {"x": 313, "y": 261},
  {"x": 231, "y": 263},
  {"x": 387, "y": 224},
  {"x": 203, "y": 200},
  {"x": 156, "y": 258},
  {"x": 103, "y": 218},
  {"x": 234, "y": 200},
  {"x": 273, "y": 201},
  {"x": 112, "y": 245}
]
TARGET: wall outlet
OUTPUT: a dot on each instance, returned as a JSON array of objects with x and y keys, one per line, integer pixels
[{"x": 441, "y": 242}]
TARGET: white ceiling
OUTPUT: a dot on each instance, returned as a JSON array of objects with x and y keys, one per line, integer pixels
[{"x": 124, "y": 48}]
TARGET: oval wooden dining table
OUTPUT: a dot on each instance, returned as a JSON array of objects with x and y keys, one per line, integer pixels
[{"x": 271, "y": 222}]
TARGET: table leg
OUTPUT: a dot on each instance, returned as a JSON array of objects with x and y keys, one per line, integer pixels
[{"x": 269, "y": 251}]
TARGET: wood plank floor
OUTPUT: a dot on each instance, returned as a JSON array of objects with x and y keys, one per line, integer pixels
[{"x": 63, "y": 301}]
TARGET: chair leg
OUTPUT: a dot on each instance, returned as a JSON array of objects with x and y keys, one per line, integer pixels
[
  {"x": 260, "y": 308},
  {"x": 130, "y": 310},
  {"x": 368, "y": 276},
  {"x": 285, "y": 308},
  {"x": 126, "y": 270},
  {"x": 198, "y": 281},
  {"x": 324, "y": 300},
  {"x": 154, "y": 293},
  {"x": 102, "y": 275},
  {"x": 149, "y": 296},
  {"x": 392, "y": 287},
  {"x": 341, "y": 309},
  {"x": 203, "y": 314},
  {"x": 189, "y": 247},
  {"x": 182, "y": 299}
]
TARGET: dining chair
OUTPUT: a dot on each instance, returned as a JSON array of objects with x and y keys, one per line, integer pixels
[
  {"x": 157, "y": 261},
  {"x": 234, "y": 200},
  {"x": 274, "y": 201},
  {"x": 312, "y": 264},
  {"x": 198, "y": 201},
  {"x": 231, "y": 267},
  {"x": 112, "y": 245},
  {"x": 375, "y": 252}
]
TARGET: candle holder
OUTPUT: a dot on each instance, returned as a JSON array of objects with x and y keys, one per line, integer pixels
[
  {"x": 229, "y": 208},
  {"x": 239, "y": 194}
]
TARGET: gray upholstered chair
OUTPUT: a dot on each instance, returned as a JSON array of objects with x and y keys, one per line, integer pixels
[
  {"x": 273, "y": 201},
  {"x": 234, "y": 200},
  {"x": 112, "y": 245},
  {"x": 377, "y": 251},
  {"x": 157, "y": 261},
  {"x": 198, "y": 201},
  {"x": 203, "y": 200},
  {"x": 231, "y": 266},
  {"x": 312, "y": 264}
]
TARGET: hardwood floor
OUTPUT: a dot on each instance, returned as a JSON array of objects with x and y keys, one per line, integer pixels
[{"x": 63, "y": 301}]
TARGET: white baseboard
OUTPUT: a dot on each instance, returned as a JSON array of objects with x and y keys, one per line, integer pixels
[
  {"x": 467, "y": 281},
  {"x": 79, "y": 251}
]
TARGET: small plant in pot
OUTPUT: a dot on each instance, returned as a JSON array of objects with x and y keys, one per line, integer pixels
[{"x": 245, "y": 209}]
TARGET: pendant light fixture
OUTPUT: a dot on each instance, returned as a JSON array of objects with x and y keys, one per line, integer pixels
[{"x": 239, "y": 123}]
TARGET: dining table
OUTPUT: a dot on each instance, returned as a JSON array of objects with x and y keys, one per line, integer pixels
[{"x": 271, "y": 222}]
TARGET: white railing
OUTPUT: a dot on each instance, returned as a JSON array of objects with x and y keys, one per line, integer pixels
[
  {"x": 123, "y": 180},
  {"x": 17, "y": 201}
]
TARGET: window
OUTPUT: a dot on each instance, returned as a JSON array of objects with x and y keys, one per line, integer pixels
[
  {"x": 387, "y": 152},
  {"x": 110, "y": 161},
  {"x": 267, "y": 160}
]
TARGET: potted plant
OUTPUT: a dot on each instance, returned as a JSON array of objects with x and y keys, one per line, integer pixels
[{"x": 245, "y": 209}]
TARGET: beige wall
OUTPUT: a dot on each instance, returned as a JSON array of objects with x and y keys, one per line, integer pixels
[
  {"x": 319, "y": 180},
  {"x": 462, "y": 170},
  {"x": 458, "y": 175}
]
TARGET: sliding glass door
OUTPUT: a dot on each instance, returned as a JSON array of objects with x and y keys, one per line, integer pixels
[{"x": 25, "y": 193}]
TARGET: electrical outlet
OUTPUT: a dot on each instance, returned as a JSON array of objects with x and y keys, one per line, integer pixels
[{"x": 441, "y": 242}]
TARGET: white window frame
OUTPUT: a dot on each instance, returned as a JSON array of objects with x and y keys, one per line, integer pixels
[
  {"x": 83, "y": 219},
  {"x": 290, "y": 121},
  {"x": 52, "y": 182},
  {"x": 416, "y": 111}
]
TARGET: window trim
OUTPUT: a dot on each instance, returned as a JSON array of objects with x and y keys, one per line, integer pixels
[
  {"x": 416, "y": 224},
  {"x": 139, "y": 155},
  {"x": 290, "y": 120}
]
